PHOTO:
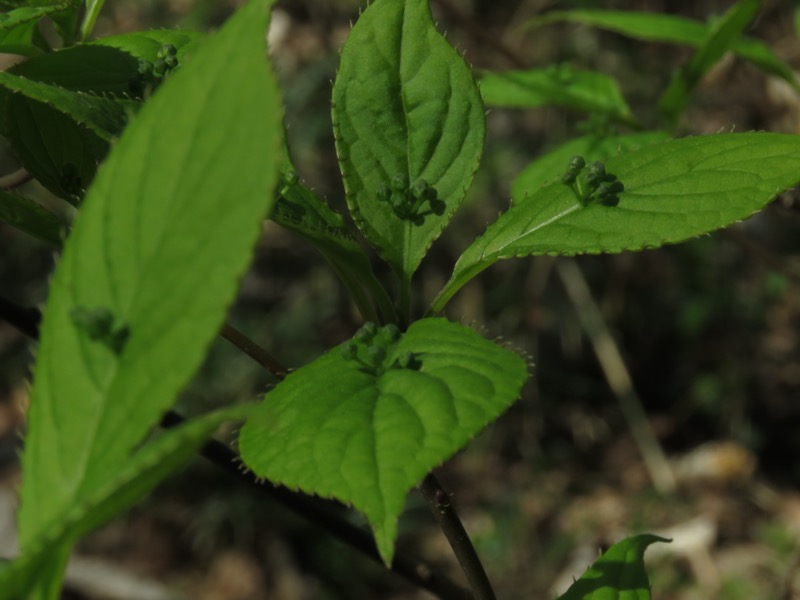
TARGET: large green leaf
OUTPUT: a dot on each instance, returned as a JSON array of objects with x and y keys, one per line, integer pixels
[
  {"x": 366, "y": 421},
  {"x": 560, "y": 86},
  {"x": 404, "y": 106},
  {"x": 618, "y": 574},
  {"x": 301, "y": 211},
  {"x": 550, "y": 166},
  {"x": 659, "y": 27},
  {"x": 154, "y": 259},
  {"x": 673, "y": 191},
  {"x": 30, "y": 217},
  {"x": 135, "y": 478},
  {"x": 720, "y": 38}
]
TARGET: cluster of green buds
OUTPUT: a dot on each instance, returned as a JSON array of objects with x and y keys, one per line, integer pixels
[
  {"x": 370, "y": 347},
  {"x": 595, "y": 186},
  {"x": 411, "y": 202},
  {"x": 99, "y": 326},
  {"x": 152, "y": 74}
]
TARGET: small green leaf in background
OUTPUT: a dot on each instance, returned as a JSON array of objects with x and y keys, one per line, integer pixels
[
  {"x": 562, "y": 85},
  {"x": 673, "y": 191},
  {"x": 405, "y": 109},
  {"x": 18, "y": 27},
  {"x": 368, "y": 420},
  {"x": 660, "y": 27},
  {"x": 720, "y": 38},
  {"x": 550, "y": 166},
  {"x": 30, "y": 217},
  {"x": 618, "y": 574},
  {"x": 164, "y": 234}
]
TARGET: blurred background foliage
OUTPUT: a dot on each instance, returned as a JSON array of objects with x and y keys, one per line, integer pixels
[{"x": 709, "y": 331}]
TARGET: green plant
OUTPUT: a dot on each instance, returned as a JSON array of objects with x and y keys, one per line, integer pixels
[{"x": 176, "y": 206}]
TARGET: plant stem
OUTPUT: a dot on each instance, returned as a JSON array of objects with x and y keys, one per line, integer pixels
[
  {"x": 404, "y": 301},
  {"x": 93, "y": 8},
  {"x": 254, "y": 351},
  {"x": 320, "y": 512},
  {"x": 15, "y": 179},
  {"x": 439, "y": 501}
]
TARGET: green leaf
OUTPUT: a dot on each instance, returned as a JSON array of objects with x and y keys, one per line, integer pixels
[
  {"x": 366, "y": 421},
  {"x": 18, "y": 27},
  {"x": 105, "y": 117},
  {"x": 719, "y": 39},
  {"x": 302, "y": 212},
  {"x": 618, "y": 574},
  {"x": 673, "y": 191},
  {"x": 60, "y": 153},
  {"x": 659, "y": 27},
  {"x": 30, "y": 217},
  {"x": 551, "y": 165},
  {"x": 577, "y": 89},
  {"x": 404, "y": 104},
  {"x": 145, "y": 45},
  {"x": 155, "y": 255},
  {"x": 134, "y": 479},
  {"x": 88, "y": 68}
]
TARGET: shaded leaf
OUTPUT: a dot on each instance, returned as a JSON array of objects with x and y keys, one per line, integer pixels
[
  {"x": 341, "y": 429},
  {"x": 30, "y": 217},
  {"x": 560, "y": 86},
  {"x": 660, "y": 27},
  {"x": 720, "y": 37},
  {"x": 300, "y": 210}
]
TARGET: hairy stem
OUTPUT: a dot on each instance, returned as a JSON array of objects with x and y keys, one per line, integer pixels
[
  {"x": 254, "y": 351},
  {"x": 439, "y": 501}
]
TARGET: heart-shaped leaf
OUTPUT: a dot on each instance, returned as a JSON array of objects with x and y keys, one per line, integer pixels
[{"x": 368, "y": 420}]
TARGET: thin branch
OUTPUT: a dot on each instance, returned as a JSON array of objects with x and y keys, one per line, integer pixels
[
  {"x": 616, "y": 372},
  {"x": 441, "y": 507},
  {"x": 254, "y": 351},
  {"x": 320, "y": 512}
]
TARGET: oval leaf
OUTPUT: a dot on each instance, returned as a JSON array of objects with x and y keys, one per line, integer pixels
[
  {"x": 404, "y": 104},
  {"x": 342, "y": 429},
  {"x": 673, "y": 191},
  {"x": 152, "y": 263}
]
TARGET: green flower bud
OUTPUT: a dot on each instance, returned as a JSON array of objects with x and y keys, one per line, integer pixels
[
  {"x": 349, "y": 350},
  {"x": 438, "y": 207},
  {"x": 420, "y": 189},
  {"x": 576, "y": 163},
  {"x": 291, "y": 177},
  {"x": 431, "y": 195},
  {"x": 595, "y": 174},
  {"x": 383, "y": 193},
  {"x": 367, "y": 332},
  {"x": 611, "y": 200},
  {"x": 388, "y": 334},
  {"x": 400, "y": 183},
  {"x": 376, "y": 354},
  {"x": 400, "y": 204}
]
